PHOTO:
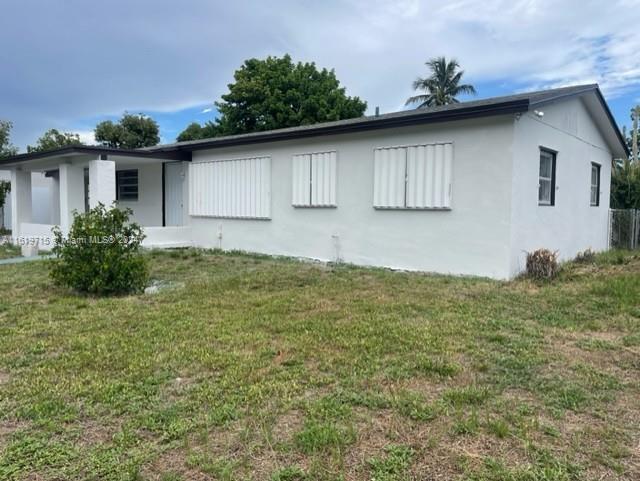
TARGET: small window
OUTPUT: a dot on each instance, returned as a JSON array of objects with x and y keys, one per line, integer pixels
[
  {"x": 547, "y": 178},
  {"x": 127, "y": 185},
  {"x": 595, "y": 185}
]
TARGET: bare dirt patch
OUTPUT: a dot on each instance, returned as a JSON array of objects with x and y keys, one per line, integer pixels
[{"x": 286, "y": 426}]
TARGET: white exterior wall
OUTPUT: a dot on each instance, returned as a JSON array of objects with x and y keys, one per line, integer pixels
[
  {"x": 471, "y": 238},
  {"x": 147, "y": 210},
  {"x": 571, "y": 225}
]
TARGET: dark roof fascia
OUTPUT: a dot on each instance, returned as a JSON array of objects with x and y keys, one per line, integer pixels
[
  {"x": 614, "y": 124},
  {"x": 88, "y": 150},
  {"x": 369, "y": 124}
]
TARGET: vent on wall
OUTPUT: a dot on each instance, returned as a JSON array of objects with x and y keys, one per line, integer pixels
[
  {"x": 314, "y": 180},
  {"x": 413, "y": 177},
  {"x": 238, "y": 188}
]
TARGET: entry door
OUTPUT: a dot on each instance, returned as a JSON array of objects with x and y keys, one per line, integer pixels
[{"x": 173, "y": 180}]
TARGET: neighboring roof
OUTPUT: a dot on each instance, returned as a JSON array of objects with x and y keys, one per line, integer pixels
[
  {"x": 96, "y": 150},
  {"x": 508, "y": 104}
]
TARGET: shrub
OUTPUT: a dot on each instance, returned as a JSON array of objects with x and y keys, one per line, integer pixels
[
  {"x": 101, "y": 254},
  {"x": 542, "y": 264},
  {"x": 587, "y": 256}
]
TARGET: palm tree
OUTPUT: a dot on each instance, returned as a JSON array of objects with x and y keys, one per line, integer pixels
[{"x": 442, "y": 87}]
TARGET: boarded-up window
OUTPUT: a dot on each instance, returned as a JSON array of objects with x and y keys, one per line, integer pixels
[
  {"x": 239, "y": 188},
  {"x": 413, "y": 177},
  {"x": 314, "y": 180}
]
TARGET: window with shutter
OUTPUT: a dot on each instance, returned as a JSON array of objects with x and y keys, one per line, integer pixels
[
  {"x": 238, "y": 188},
  {"x": 413, "y": 177},
  {"x": 314, "y": 179}
]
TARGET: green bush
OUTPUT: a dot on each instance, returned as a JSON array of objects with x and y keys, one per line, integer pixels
[{"x": 101, "y": 254}]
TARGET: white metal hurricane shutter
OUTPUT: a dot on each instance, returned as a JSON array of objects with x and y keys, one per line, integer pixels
[
  {"x": 238, "y": 188},
  {"x": 301, "y": 187},
  {"x": 389, "y": 177},
  {"x": 429, "y": 169},
  {"x": 314, "y": 179},
  {"x": 413, "y": 177}
]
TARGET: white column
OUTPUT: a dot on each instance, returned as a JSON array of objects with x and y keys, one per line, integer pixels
[
  {"x": 20, "y": 200},
  {"x": 102, "y": 182},
  {"x": 71, "y": 193},
  {"x": 54, "y": 201}
]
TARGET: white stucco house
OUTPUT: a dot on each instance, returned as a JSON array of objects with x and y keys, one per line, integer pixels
[{"x": 463, "y": 189}]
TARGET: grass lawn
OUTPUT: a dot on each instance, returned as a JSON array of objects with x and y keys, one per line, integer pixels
[{"x": 266, "y": 369}]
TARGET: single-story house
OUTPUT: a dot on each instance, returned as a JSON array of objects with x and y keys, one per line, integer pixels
[{"x": 466, "y": 188}]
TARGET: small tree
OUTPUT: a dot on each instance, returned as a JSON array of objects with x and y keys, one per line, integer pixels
[
  {"x": 130, "y": 132},
  {"x": 54, "y": 139},
  {"x": 7, "y": 149},
  {"x": 101, "y": 254}
]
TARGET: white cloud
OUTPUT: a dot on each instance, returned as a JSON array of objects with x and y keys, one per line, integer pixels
[
  {"x": 207, "y": 110},
  {"x": 86, "y": 137},
  {"x": 83, "y": 59}
]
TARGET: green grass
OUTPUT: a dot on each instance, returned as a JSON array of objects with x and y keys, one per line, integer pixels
[
  {"x": 262, "y": 368},
  {"x": 393, "y": 466}
]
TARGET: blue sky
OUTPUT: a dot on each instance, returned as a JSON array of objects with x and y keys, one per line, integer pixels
[{"x": 69, "y": 64}]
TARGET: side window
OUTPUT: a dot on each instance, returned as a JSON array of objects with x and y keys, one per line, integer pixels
[
  {"x": 413, "y": 177},
  {"x": 547, "y": 178},
  {"x": 127, "y": 185},
  {"x": 595, "y": 185}
]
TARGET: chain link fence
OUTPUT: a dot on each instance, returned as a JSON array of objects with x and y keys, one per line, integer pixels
[{"x": 624, "y": 229}]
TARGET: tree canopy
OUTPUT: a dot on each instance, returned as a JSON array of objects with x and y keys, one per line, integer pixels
[
  {"x": 195, "y": 131},
  {"x": 625, "y": 186},
  {"x": 54, "y": 139},
  {"x": 275, "y": 93},
  {"x": 6, "y": 148},
  {"x": 442, "y": 86},
  {"x": 130, "y": 132}
]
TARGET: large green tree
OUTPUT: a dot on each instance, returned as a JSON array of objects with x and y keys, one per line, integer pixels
[
  {"x": 442, "y": 86},
  {"x": 6, "y": 148},
  {"x": 130, "y": 132},
  {"x": 275, "y": 93},
  {"x": 54, "y": 139}
]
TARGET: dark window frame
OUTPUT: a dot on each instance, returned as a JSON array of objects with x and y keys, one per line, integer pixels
[
  {"x": 127, "y": 184},
  {"x": 552, "y": 194},
  {"x": 597, "y": 185}
]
